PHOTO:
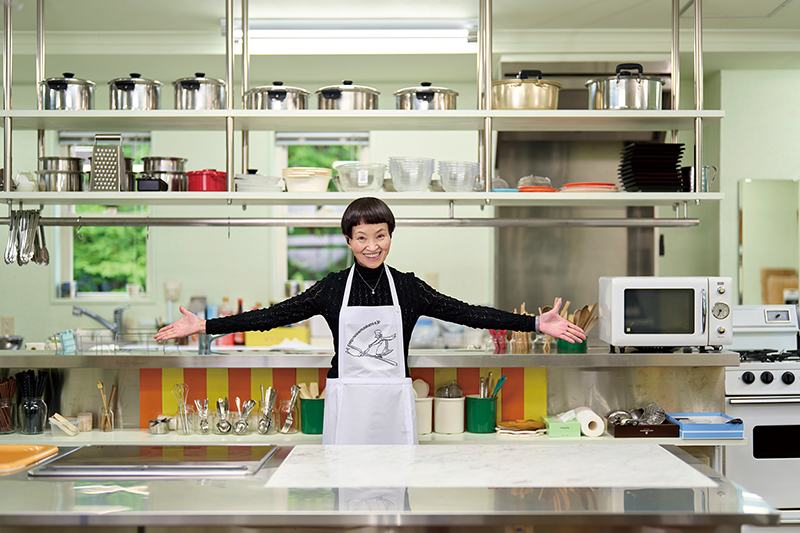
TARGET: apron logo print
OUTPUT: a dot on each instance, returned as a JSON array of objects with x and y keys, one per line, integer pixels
[{"x": 378, "y": 348}]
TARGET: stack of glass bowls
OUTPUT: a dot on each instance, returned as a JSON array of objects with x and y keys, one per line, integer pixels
[
  {"x": 411, "y": 174},
  {"x": 257, "y": 183},
  {"x": 458, "y": 176},
  {"x": 361, "y": 176}
]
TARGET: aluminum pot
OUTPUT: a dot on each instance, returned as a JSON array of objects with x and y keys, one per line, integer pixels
[
  {"x": 135, "y": 93},
  {"x": 527, "y": 91},
  {"x": 347, "y": 97},
  {"x": 164, "y": 164},
  {"x": 199, "y": 92},
  {"x": 626, "y": 90},
  {"x": 426, "y": 97},
  {"x": 67, "y": 93},
  {"x": 276, "y": 96},
  {"x": 61, "y": 180},
  {"x": 57, "y": 163}
]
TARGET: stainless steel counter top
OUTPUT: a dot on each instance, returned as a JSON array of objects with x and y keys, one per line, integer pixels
[
  {"x": 186, "y": 358},
  {"x": 254, "y": 502}
]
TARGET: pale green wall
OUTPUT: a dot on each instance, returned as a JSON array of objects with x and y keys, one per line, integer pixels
[{"x": 210, "y": 263}]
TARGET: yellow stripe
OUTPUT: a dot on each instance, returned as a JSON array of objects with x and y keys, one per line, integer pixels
[
  {"x": 169, "y": 378},
  {"x": 172, "y": 451},
  {"x": 535, "y": 393},
  {"x": 258, "y": 377},
  {"x": 307, "y": 375},
  {"x": 442, "y": 377},
  {"x": 216, "y": 384},
  {"x": 496, "y": 373}
]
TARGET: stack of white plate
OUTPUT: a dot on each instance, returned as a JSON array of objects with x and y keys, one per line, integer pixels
[
  {"x": 307, "y": 179},
  {"x": 458, "y": 176},
  {"x": 257, "y": 183},
  {"x": 411, "y": 174}
]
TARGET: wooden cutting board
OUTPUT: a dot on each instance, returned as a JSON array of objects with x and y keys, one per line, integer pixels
[{"x": 17, "y": 456}]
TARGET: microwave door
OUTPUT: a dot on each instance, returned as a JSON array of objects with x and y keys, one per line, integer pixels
[{"x": 664, "y": 316}]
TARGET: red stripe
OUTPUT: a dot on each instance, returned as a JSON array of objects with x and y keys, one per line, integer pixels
[
  {"x": 514, "y": 394},
  {"x": 469, "y": 379},
  {"x": 426, "y": 375},
  {"x": 239, "y": 384},
  {"x": 195, "y": 378},
  {"x": 149, "y": 395},
  {"x": 282, "y": 381},
  {"x": 323, "y": 379}
]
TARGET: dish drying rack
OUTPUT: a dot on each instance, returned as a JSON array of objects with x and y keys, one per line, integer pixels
[{"x": 103, "y": 342}]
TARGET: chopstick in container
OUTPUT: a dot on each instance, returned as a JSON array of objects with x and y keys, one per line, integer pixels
[{"x": 8, "y": 387}]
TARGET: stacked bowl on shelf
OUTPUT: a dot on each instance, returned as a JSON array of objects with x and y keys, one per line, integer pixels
[
  {"x": 459, "y": 176},
  {"x": 361, "y": 177},
  {"x": 411, "y": 174},
  {"x": 253, "y": 182},
  {"x": 307, "y": 179}
]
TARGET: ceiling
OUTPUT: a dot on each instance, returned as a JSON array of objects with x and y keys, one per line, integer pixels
[{"x": 169, "y": 39}]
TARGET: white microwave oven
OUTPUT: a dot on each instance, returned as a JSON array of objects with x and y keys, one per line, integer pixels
[{"x": 663, "y": 312}]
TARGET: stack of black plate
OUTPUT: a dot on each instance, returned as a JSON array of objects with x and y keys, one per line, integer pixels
[{"x": 652, "y": 167}]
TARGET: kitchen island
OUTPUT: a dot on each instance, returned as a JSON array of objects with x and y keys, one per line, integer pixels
[{"x": 410, "y": 488}]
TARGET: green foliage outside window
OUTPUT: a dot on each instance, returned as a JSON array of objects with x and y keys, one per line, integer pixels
[{"x": 328, "y": 246}]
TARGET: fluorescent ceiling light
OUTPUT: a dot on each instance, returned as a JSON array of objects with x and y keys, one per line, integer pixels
[{"x": 359, "y": 36}]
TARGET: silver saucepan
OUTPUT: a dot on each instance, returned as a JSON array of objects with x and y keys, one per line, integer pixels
[{"x": 627, "y": 89}]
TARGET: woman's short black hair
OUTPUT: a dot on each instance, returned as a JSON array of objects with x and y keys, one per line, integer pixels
[{"x": 366, "y": 210}]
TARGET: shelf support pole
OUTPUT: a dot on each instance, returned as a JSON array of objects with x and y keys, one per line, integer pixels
[
  {"x": 675, "y": 75},
  {"x": 245, "y": 79},
  {"x": 39, "y": 69},
  {"x": 8, "y": 174},
  {"x": 229, "y": 91},
  {"x": 485, "y": 90},
  {"x": 698, "y": 90}
]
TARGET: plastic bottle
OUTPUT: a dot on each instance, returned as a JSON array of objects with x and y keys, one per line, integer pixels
[{"x": 238, "y": 337}]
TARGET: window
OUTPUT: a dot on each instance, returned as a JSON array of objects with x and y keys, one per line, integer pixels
[
  {"x": 103, "y": 261},
  {"x": 312, "y": 253}
]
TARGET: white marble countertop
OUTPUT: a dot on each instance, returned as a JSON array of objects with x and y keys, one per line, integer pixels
[{"x": 568, "y": 465}]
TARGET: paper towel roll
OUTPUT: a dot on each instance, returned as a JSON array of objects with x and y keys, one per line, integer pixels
[{"x": 591, "y": 424}]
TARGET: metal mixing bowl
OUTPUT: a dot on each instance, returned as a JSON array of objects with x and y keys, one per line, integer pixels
[{"x": 8, "y": 342}]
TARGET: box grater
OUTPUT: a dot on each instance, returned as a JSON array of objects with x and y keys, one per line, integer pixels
[{"x": 108, "y": 163}]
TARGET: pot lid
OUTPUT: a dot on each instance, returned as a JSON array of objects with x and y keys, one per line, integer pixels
[
  {"x": 200, "y": 77},
  {"x": 528, "y": 77},
  {"x": 136, "y": 79},
  {"x": 277, "y": 86},
  {"x": 626, "y": 71},
  {"x": 424, "y": 87},
  {"x": 70, "y": 79},
  {"x": 347, "y": 85},
  {"x": 158, "y": 158}
]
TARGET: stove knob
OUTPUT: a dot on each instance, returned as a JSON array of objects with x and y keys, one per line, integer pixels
[
  {"x": 767, "y": 377},
  {"x": 748, "y": 377},
  {"x": 787, "y": 378}
]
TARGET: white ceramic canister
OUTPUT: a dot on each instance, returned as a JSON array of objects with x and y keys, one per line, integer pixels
[
  {"x": 448, "y": 415},
  {"x": 424, "y": 415}
]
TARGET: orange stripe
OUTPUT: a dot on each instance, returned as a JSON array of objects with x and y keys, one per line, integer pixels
[
  {"x": 323, "y": 379},
  {"x": 239, "y": 383},
  {"x": 426, "y": 375},
  {"x": 149, "y": 395},
  {"x": 513, "y": 396},
  {"x": 469, "y": 379},
  {"x": 195, "y": 378},
  {"x": 282, "y": 381}
]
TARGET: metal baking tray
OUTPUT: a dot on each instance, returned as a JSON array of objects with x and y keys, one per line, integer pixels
[{"x": 157, "y": 461}]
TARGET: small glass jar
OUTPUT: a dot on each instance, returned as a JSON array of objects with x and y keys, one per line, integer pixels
[
  {"x": 204, "y": 425},
  {"x": 106, "y": 419},
  {"x": 273, "y": 427},
  {"x": 283, "y": 414},
  {"x": 8, "y": 416},
  {"x": 32, "y": 415},
  {"x": 185, "y": 423},
  {"x": 544, "y": 344}
]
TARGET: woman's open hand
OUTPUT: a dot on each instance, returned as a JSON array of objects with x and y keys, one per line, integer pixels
[
  {"x": 188, "y": 325},
  {"x": 551, "y": 323}
]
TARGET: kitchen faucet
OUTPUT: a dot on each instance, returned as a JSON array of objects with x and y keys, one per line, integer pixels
[{"x": 115, "y": 328}]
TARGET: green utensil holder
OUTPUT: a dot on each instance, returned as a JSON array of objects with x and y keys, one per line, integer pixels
[
  {"x": 481, "y": 414},
  {"x": 311, "y": 415},
  {"x": 568, "y": 347}
]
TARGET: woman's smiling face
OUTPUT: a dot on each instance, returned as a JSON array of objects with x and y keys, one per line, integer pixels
[{"x": 370, "y": 244}]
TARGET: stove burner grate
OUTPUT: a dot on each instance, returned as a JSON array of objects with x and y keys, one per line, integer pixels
[{"x": 767, "y": 356}]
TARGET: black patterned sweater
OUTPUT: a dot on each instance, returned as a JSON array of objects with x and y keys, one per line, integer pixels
[{"x": 417, "y": 299}]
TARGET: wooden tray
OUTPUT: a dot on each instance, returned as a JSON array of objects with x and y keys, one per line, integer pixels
[{"x": 17, "y": 456}]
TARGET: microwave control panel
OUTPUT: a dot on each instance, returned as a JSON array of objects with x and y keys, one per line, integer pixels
[{"x": 720, "y": 327}]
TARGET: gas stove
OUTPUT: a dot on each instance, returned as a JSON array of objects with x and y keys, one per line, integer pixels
[{"x": 764, "y": 372}]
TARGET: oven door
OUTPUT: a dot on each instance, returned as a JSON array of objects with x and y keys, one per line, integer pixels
[{"x": 769, "y": 464}]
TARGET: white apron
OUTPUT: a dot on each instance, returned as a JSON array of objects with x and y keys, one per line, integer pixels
[{"x": 372, "y": 400}]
